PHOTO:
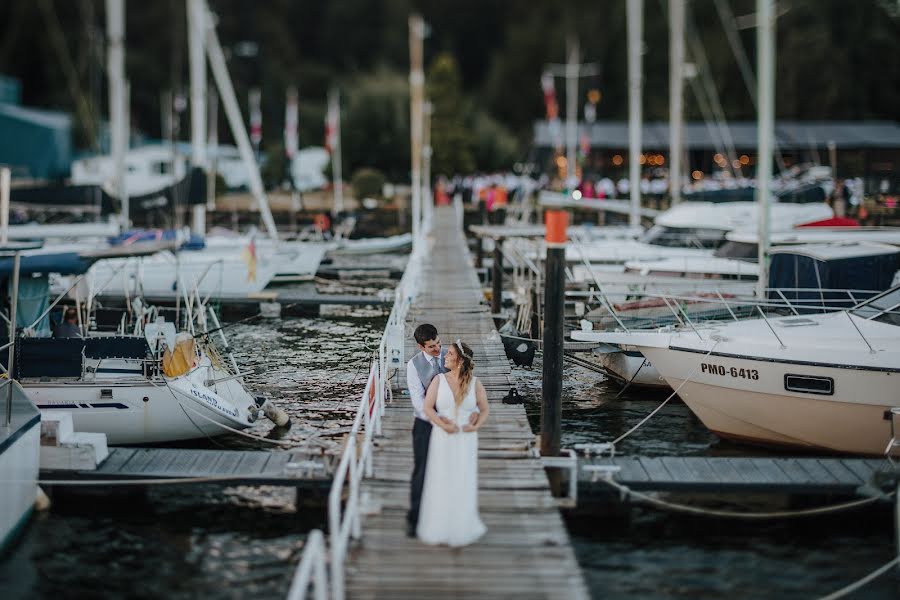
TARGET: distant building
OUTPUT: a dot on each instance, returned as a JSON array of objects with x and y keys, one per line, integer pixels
[{"x": 868, "y": 149}]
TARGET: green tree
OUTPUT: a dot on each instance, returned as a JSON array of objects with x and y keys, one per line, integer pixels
[
  {"x": 375, "y": 124},
  {"x": 451, "y": 140}
]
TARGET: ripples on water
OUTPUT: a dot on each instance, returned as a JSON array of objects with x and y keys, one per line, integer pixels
[{"x": 644, "y": 553}]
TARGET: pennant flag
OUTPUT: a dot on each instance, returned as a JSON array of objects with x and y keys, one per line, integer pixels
[
  {"x": 291, "y": 122},
  {"x": 249, "y": 256},
  {"x": 331, "y": 123},
  {"x": 255, "y": 118}
]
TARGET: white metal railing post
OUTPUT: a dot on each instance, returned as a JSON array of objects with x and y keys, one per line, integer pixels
[{"x": 311, "y": 569}]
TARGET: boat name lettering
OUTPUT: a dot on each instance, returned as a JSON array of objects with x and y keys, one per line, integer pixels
[
  {"x": 214, "y": 403},
  {"x": 736, "y": 372}
]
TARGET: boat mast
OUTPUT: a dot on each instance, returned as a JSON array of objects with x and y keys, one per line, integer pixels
[
  {"x": 676, "y": 97},
  {"x": 635, "y": 118},
  {"x": 765, "y": 59},
  {"x": 235, "y": 121},
  {"x": 115, "y": 31},
  {"x": 416, "y": 108},
  {"x": 197, "y": 48}
]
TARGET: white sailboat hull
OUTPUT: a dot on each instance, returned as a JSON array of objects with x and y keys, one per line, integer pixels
[
  {"x": 633, "y": 369},
  {"x": 144, "y": 411}
]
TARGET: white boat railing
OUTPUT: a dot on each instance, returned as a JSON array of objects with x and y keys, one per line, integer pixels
[{"x": 345, "y": 523}]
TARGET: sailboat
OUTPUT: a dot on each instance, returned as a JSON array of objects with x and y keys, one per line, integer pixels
[{"x": 140, "y": 381}]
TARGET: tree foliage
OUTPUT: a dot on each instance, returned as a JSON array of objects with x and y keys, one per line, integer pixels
[{"x": 838, "y": 59}]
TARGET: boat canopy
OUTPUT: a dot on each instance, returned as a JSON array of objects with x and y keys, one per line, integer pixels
[{"x": 817, "y": 273}]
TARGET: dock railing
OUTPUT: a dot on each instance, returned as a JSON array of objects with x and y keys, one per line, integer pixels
[{"x": 345, "y": 518}]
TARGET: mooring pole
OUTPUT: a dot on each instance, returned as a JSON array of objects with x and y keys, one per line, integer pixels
[
  {"x": 554, "y": 287},
  {"x": 497, "y": 278}
]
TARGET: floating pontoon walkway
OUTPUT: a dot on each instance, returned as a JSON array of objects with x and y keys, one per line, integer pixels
[
  {"x": 232, "y": 467},
  {"x": 526, "y": 552},
  {"x": 724, "y": 475}
]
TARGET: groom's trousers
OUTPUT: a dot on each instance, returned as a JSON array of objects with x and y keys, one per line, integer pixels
[{"x": 421, "y": 435}]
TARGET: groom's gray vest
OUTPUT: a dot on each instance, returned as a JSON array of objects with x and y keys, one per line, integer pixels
[{"x": 425, "y": 368}]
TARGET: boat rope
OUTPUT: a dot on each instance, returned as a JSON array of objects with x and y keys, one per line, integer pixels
[
  {"x": 286, "y": 443},
  {"x": 849, "y": 589},
  {"x": 630, "y": 381},
  {"x": 666, "y": 401},
  {"x": 731, "y": 514}
]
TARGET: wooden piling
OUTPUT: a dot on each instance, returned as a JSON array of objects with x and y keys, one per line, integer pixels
[
  {"x": 497, "y": 278},
  {"x": 554, "y": 288}
]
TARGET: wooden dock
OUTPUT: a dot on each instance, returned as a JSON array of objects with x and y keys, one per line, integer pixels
[
  {"x": 526, "y": 552},
  {"x": 232, "y": 467},
  {"x": 725, "y": 475}
]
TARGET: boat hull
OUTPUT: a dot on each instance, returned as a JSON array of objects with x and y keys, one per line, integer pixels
[
  {"x": 19, "y": 463},
  {"x": 633, "y": 369},
  {"x": 746, "y": 399},
  {"x": 144, "y": 412}
]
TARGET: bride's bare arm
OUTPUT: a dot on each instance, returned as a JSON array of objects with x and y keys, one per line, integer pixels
[
  {"x": 483, "y": 410},
  {"x": 431, "y": 413}
]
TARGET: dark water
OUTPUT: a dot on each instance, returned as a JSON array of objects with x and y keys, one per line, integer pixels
[
  {"x": 244, "y": 542},
  {"x": 644, "y": 553}
]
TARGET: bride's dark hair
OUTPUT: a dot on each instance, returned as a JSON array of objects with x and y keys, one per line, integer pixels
[{"x": 466, "y": 365}]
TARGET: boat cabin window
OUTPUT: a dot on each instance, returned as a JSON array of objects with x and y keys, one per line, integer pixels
[
  {"x": 884, "y": 308},
  {"x": 162, "y": 168},
  {"x": 809, "y": 384},
  {"x": 737, "y": 250},
  {"x": 684, "y": 237}
]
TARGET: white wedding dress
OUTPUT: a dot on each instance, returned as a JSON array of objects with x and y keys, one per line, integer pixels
[{"x": 449, "y": 509}]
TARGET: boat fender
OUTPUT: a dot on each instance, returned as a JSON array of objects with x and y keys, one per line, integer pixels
[
  {"x": 275, "y": 414},
  {"x": 41, "y": 500},
  {"x": 513, "y": 397}
]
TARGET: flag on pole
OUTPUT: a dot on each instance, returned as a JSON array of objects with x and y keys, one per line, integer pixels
[
  {"x": 331, "y": 123},
  {"x": 255, "y": 98},
  {"x": 291, "y": 121},
  {"x": 249, "y": 257},
  {"x": 549, "y": 89}
]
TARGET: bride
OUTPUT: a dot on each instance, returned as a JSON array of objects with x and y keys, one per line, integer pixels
[{"x": 449, "y": 511}]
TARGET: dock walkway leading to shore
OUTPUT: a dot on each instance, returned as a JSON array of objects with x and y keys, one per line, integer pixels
[{"x": 526, "y": 552}]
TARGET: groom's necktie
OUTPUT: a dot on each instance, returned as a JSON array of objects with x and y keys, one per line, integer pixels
[{"x": 435, "y": 366}]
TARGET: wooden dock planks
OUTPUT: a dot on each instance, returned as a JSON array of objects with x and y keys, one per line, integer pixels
[
  {"x": 735, "y": 475},
  {"x": 250, "y": 467},
  {"x": 526, "y": 552}
]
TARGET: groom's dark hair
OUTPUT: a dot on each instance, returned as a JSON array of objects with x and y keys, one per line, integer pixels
[{"x": 424, "y": 333}]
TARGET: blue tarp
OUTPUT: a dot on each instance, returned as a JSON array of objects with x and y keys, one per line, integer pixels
[
  {"x": 194, "y": 242},
  {"x": 32, "y": 302},
  {"x": 64, "y": 263}
]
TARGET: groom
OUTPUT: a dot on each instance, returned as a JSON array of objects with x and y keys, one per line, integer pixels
[{"x": 420, "y": 370}]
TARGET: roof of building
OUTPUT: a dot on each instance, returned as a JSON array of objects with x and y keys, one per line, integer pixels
[{"x": 789, "y": 135}]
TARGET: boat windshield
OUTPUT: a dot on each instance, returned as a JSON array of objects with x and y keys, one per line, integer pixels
[
  {"x": 684, "y": 237},
  {"x": 884, "y": 307}
]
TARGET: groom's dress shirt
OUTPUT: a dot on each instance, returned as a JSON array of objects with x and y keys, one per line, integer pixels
[{"x": 414, "y": 382}]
